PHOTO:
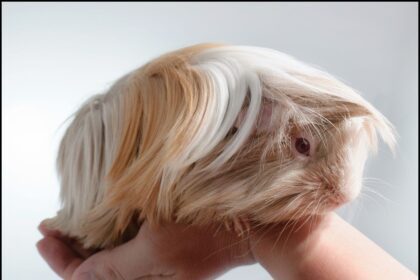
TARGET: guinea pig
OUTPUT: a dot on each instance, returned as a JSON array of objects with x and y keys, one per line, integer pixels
[{"x": 213, "y": 133}]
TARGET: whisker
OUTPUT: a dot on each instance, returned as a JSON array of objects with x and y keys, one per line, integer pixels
[
  {"x": 372, "y": 199},
  {"x": 381, "y": 183},
  {"x": 371, "y": 190},
  {"x": 301, "y": 215}
]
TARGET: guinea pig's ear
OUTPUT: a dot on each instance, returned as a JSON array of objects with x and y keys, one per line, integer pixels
[
  {"x": 265, "y": 118},
  {"x": 336, "y": 109},
  {"x": 339, "y": 109}
]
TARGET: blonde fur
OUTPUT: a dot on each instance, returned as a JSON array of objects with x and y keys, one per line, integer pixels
[{"x": 206, "y": 134}]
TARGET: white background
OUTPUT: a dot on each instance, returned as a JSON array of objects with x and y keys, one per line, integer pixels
[{"x": 55, "y": 55}]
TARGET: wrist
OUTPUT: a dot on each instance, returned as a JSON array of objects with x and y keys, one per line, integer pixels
[{"x": 286, "y": 249}]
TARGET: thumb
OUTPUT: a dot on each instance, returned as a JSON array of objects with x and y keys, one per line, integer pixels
[{"x": 131, "y": 260}]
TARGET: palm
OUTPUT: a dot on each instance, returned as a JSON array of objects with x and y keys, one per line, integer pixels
[{"x": 171, "y": 250}]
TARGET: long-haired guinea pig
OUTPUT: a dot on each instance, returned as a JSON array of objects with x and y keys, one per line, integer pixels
[{"x": 213, "y": 133}]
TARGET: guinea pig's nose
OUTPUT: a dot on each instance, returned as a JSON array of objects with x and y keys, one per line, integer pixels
[{"x": 336, "y": 200}]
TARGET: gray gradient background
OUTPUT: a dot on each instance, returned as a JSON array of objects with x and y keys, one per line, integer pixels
[{"x": 56, "y": 55}]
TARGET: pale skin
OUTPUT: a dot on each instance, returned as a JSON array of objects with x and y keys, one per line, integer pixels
[{"x": 325, "y": 247}]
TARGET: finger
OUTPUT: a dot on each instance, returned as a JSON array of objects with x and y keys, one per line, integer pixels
[
  {"x": 62, "y": 259},
  {"x": 131, "y": 260},
  {"x": 71, "y": 242}
]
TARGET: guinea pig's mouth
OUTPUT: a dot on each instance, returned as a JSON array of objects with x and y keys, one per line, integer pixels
[{"x": 336, "y": 199}]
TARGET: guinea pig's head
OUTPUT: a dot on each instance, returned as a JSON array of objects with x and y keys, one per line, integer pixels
[{"x": 216, "y": 132}]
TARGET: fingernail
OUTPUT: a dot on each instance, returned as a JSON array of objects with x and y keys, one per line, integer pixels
[{"x": 38, "y": 243}]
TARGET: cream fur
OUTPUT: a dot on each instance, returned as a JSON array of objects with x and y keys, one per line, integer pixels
[{"x": 206, "y": 134}]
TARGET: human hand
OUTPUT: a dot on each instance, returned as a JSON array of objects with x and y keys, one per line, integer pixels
[
  {"x": 172, "y": 251},
  {"x": 323, "y": 247},
  {"x": 320, "y": 248}
]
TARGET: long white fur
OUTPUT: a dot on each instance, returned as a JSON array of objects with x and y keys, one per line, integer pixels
[{"x": 234, "y": 69}]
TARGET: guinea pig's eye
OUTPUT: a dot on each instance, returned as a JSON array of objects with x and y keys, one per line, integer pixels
[{"x": 302, "y": 146}]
